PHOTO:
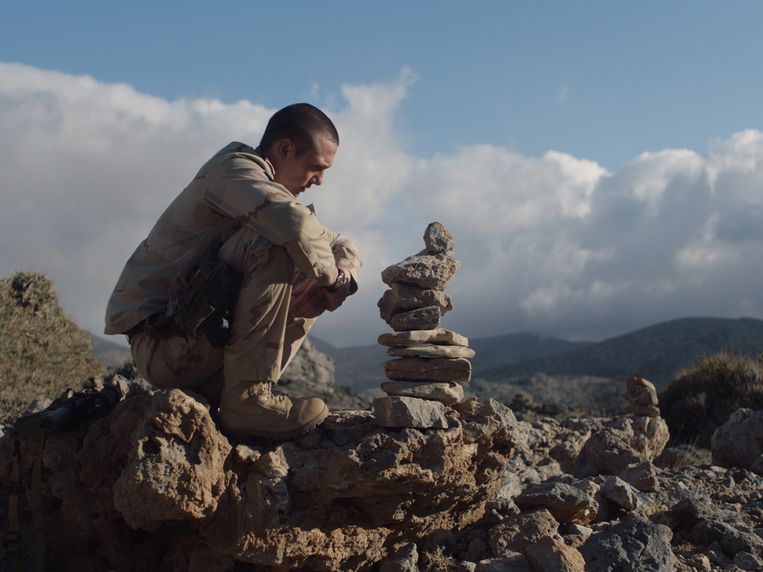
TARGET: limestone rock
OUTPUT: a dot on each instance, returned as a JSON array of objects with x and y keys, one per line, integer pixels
[
  {"x": 432, "y": 351},
  {"x": 493, "y": 414},
  {"x": 619, "y": 492},
  {"x": 551, "y": 554},
  {"x": 642, "y": 476},
  {"x": 434, "y": 336},
  {"x": 154, "y": 485},
  {"x": 175, "y": 470},
  {"x": 639, "y": 545},
  {"x": 395, "y": 411},
  {"x": 518, "y": 532},
  {"x": 428, "y": 369},
  {"x": 404, "y": 560},
  {"x": 438, "y": 239},
  {"x": 429, "y": 271},
  {"x": 405, "y": 297},
  {"x": 446, "y": 393},
  {"x": 566, "y": 502},
  {"x": 739, "y": 441},
  {"x": 420, "y": 319},
  {"x": 642, "y": 410},
  {"x": 622, "y": 441},
  {"x": 748, "y": 561},
  {"x": 575, "y": 535}
]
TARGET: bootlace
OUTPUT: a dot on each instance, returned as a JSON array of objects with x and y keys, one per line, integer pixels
[{"x": 267, "y": 394}]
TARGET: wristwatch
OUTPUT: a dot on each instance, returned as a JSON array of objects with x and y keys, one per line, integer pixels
[{"x": 341, "y": 282}]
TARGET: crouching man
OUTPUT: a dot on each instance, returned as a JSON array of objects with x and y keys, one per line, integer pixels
[{"x": 221, "y": 294}]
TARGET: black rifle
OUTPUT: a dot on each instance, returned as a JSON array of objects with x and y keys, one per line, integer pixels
[{"x": 69, "y": 411}]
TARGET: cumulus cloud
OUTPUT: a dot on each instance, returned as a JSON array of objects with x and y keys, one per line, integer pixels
[{"x": 552, "y": 243}]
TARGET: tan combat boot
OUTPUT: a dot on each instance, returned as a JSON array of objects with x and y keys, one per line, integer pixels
[{"x": 251, "y": 409}]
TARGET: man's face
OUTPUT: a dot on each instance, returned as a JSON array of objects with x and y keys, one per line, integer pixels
[{"x": 300, "y": 172}]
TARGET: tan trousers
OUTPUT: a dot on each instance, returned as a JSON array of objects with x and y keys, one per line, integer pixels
[{"x": 264, "y": 337}]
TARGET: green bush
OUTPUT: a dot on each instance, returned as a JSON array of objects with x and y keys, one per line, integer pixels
[
  {"x": 42, "y": 351},
  {"x": 702, "y": 397}
]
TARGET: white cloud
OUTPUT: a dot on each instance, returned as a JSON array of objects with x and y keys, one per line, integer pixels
[{"x": 551, "y": 243}]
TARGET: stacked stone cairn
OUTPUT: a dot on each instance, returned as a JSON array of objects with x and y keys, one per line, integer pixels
[
  {"x": 431, "y": 362},
  {"x": 642, "y": 398}
]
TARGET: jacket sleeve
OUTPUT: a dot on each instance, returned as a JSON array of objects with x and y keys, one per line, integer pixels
[
  {"x": 345, "y": 252},
  {"x": 242, "y": 191}
]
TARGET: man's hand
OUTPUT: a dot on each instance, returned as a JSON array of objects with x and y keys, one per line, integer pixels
[{"x": 310, "y": 300}]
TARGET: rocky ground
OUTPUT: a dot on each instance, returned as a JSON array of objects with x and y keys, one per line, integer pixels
[{"x": 155, "y": 486}]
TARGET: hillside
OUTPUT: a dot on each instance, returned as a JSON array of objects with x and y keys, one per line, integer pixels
[
  {"x": 42, "y": 351},
  {"x": 656, "y": 352},
  {"x": 494, "y": 351}
]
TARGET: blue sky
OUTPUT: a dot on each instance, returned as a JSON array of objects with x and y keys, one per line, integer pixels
[
  {"x": 599, "y": 79},
  {"x": 600, "y": 164}
]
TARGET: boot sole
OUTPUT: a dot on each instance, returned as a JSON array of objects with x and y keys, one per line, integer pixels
[{"x": 283, "y": 436}]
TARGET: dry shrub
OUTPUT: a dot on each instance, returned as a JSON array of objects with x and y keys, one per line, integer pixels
[
  {"x": 702, "y": 397},
  {"x": 438, "y": 561},
  {"x": 42, "y": 351},
  {"x": 683, "y": 455}
]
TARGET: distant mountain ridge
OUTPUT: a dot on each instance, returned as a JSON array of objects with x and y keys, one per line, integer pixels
[
  {"x": 362, "y": 367},
  {"x": 656, "y": 352},
  {"x": 110, "y": 354}
]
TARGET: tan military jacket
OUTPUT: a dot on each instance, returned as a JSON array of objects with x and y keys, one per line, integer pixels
[{"x": 235, "y": 187}]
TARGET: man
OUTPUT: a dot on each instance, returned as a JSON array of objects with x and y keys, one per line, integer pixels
[{"x": 242, "y": 208}]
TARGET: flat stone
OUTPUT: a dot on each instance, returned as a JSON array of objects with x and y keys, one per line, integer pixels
[
  {"x": 409, "y": 297},
  {"x": 565, "y": 502},
  {"x": 409, "y": 412},
  {"x": 438, "y": 239},
  {"x": 642, "y": 410},
  {"x": 432, "y": 351},
  {"x": 429, "y": 369},
  {"x": 446, "y": 393},
  {"x": 420, "y": 319},
  {"x": 430, "y": 271},
  {"x": 435, "y": 336},
  {"x": 404, "y": 297}
]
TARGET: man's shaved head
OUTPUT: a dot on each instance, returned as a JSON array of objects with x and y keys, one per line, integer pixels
[{"x": 302, "y": 123}]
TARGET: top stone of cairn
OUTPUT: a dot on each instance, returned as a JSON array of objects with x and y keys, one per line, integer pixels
[
  {"x": 430, "y": 269},
  {"x": 438, "y": 239}
]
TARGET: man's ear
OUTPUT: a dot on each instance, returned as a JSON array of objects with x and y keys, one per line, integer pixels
[{"x": 283, "y": 147}]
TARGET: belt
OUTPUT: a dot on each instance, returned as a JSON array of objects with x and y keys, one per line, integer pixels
[{"x": 157, "y": 325}]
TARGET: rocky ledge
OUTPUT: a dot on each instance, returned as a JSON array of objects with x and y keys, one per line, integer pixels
[{"x": 155, "y": 486}]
